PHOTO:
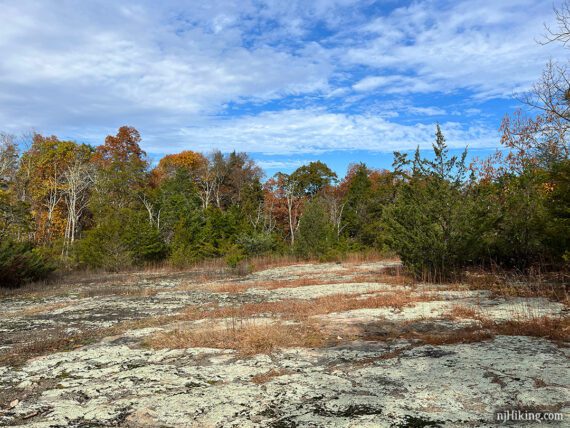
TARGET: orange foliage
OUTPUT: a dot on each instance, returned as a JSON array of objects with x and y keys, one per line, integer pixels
[{"x": 188, "y": 160}]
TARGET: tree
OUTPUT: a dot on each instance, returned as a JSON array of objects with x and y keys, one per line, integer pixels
[
  {"x": 286, "y": 203},
  {"x": 14, "y": 214},
  {"x": 121, "y": 171},
  {"x": 358, "y": 186},
  {"x": 43, "y": 175},
  {"x": 558, "y": 205},
  {"x": 315, "y": 236},
  {"x": 429, "y": 224},
  {"x": 190, "y": 162},
  {"x": 561, "y": 33},
  {"x": 312, "y": 178},
  {"x": 550, "y": 95},
  {"x": 78, "y": 180},
  {"x": 8, "y": 160}
]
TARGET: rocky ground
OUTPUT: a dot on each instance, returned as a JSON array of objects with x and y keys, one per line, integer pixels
[{"x": 100, "y": 353}]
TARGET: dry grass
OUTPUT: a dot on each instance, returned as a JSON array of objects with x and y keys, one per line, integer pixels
[
  {"x": 35, "y": 310},
  {"x": 468, "y": 335},
  {"x": 554, "y": 328},
  {"x": 389, "y": 275},
  {"x": 247, "y": 337},
  {"x": 501, "y": 284},
  {"x": 260, "y": 263},
  {"x": 59, "y": 340},
  {"x": 525, "y": 323},
  {"x": 463, "y": 312},
  {"x": 300, "y": 309},
  {"x": 240, "y": 287},
  {"x": 262, "y": 378},
  {"x": 272, "y": 261},
  {"x": 126, "y": 290},
  {"x": 55, "y": 341}
]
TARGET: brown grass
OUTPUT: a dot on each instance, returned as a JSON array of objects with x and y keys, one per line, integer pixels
[
  {"x": 54, "y": 342},
  {"x": 463, "y": 312},
  {"x": 58, "y": 340},
  {"x": 300, "y": 309},
  {"x": 390, "y": 276},
  {"x": 247, "y": 337},
  {"x": 554, "y": 328},
  {"x": 35, "y": 310},
  {"x": 271, "y": 261},
  {"x": 119, "y": 290},
  {"x": 505, "y": 284},
  {"x": 468, "y": 335},
  {"x": 262, "y": 378}
]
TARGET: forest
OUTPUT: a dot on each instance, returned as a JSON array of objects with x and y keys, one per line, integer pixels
[
  {"x": 67, "y": 206},
  {"x": 70, "y": 206}
]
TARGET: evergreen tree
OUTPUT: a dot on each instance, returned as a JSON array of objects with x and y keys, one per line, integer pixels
[{"x": 429, "y": 224}]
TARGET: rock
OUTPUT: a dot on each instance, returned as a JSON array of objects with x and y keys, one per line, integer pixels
[{"x": 116, "y": 381}]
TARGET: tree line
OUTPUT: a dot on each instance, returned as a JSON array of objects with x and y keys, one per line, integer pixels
[{"x": 73, "y": 205}]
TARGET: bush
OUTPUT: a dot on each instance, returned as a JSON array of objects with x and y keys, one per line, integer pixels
[
  {"x": 315, "y": 237},
  {"x": 21, "y": 263},
  {"x": 256, "y": 244},
  {"x": 234, "y": 256},
  {"x": 103, "y": 247},
  {"x": 115, "y": 244}
]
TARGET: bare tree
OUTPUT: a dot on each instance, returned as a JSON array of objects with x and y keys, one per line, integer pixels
[
  {"x": 79, "y": 178},
  {"x": 551, "y": 94},
  {"x": 8, "y": 158},
  {"x": 335, "y": 201},
  {"x": 206, "y": 182},
  {"x": 562, "y": 31},
  {"x": 292, "y": 197},
  {"x": 153, "y": 212}
]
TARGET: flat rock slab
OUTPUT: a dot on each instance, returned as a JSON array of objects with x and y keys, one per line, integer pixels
[
  {"x": 363, "y": 384},
  {"x": 116, "y": 381}
]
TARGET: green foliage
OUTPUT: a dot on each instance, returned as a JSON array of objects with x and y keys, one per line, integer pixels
[
  {"x": 234, "y": 256},
  {"x": 368, "y": 193},
  {"x": 121, "y": 241},
  {"x": 558, "y": 206},
  {"x": 356, "y": 211},
  {"x": 519, "y": 220},
  {"x": 257, "y": 243},
  {"x": 315, "y": 236},
  {"x": 430, "y": 222},
  {"x": 313, "y": 177},
  {"x": 21, "y": 263}
]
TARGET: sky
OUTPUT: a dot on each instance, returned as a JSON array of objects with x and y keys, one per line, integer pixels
[{"x": 287, "y": 81}]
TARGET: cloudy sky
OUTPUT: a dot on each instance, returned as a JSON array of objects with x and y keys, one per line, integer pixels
[{"x": 288, "y": 81}]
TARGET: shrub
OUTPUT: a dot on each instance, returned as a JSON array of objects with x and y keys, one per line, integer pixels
[
  {"x": 116, "y": 244},
  {"x": 255, "y": 244},
  {"x": 21, "y": 263},
  {"x": 234, "y": 256},
  {"x": 315, "y": 236}
]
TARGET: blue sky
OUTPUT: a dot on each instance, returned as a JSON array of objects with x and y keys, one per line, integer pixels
[{"x": 287, "y": 81}]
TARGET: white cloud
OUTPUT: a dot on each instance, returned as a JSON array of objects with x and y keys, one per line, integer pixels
[
  {"x": 126, "y": 60},
  {"x": 317, "y": 131},
  {"x": 302, "y": 77},
  {"x": 488, "y": 47},
  {"x": 395, "y": 84},
  {"x": 271, "y": 164},
  {"x": 427, "y": 111}
]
